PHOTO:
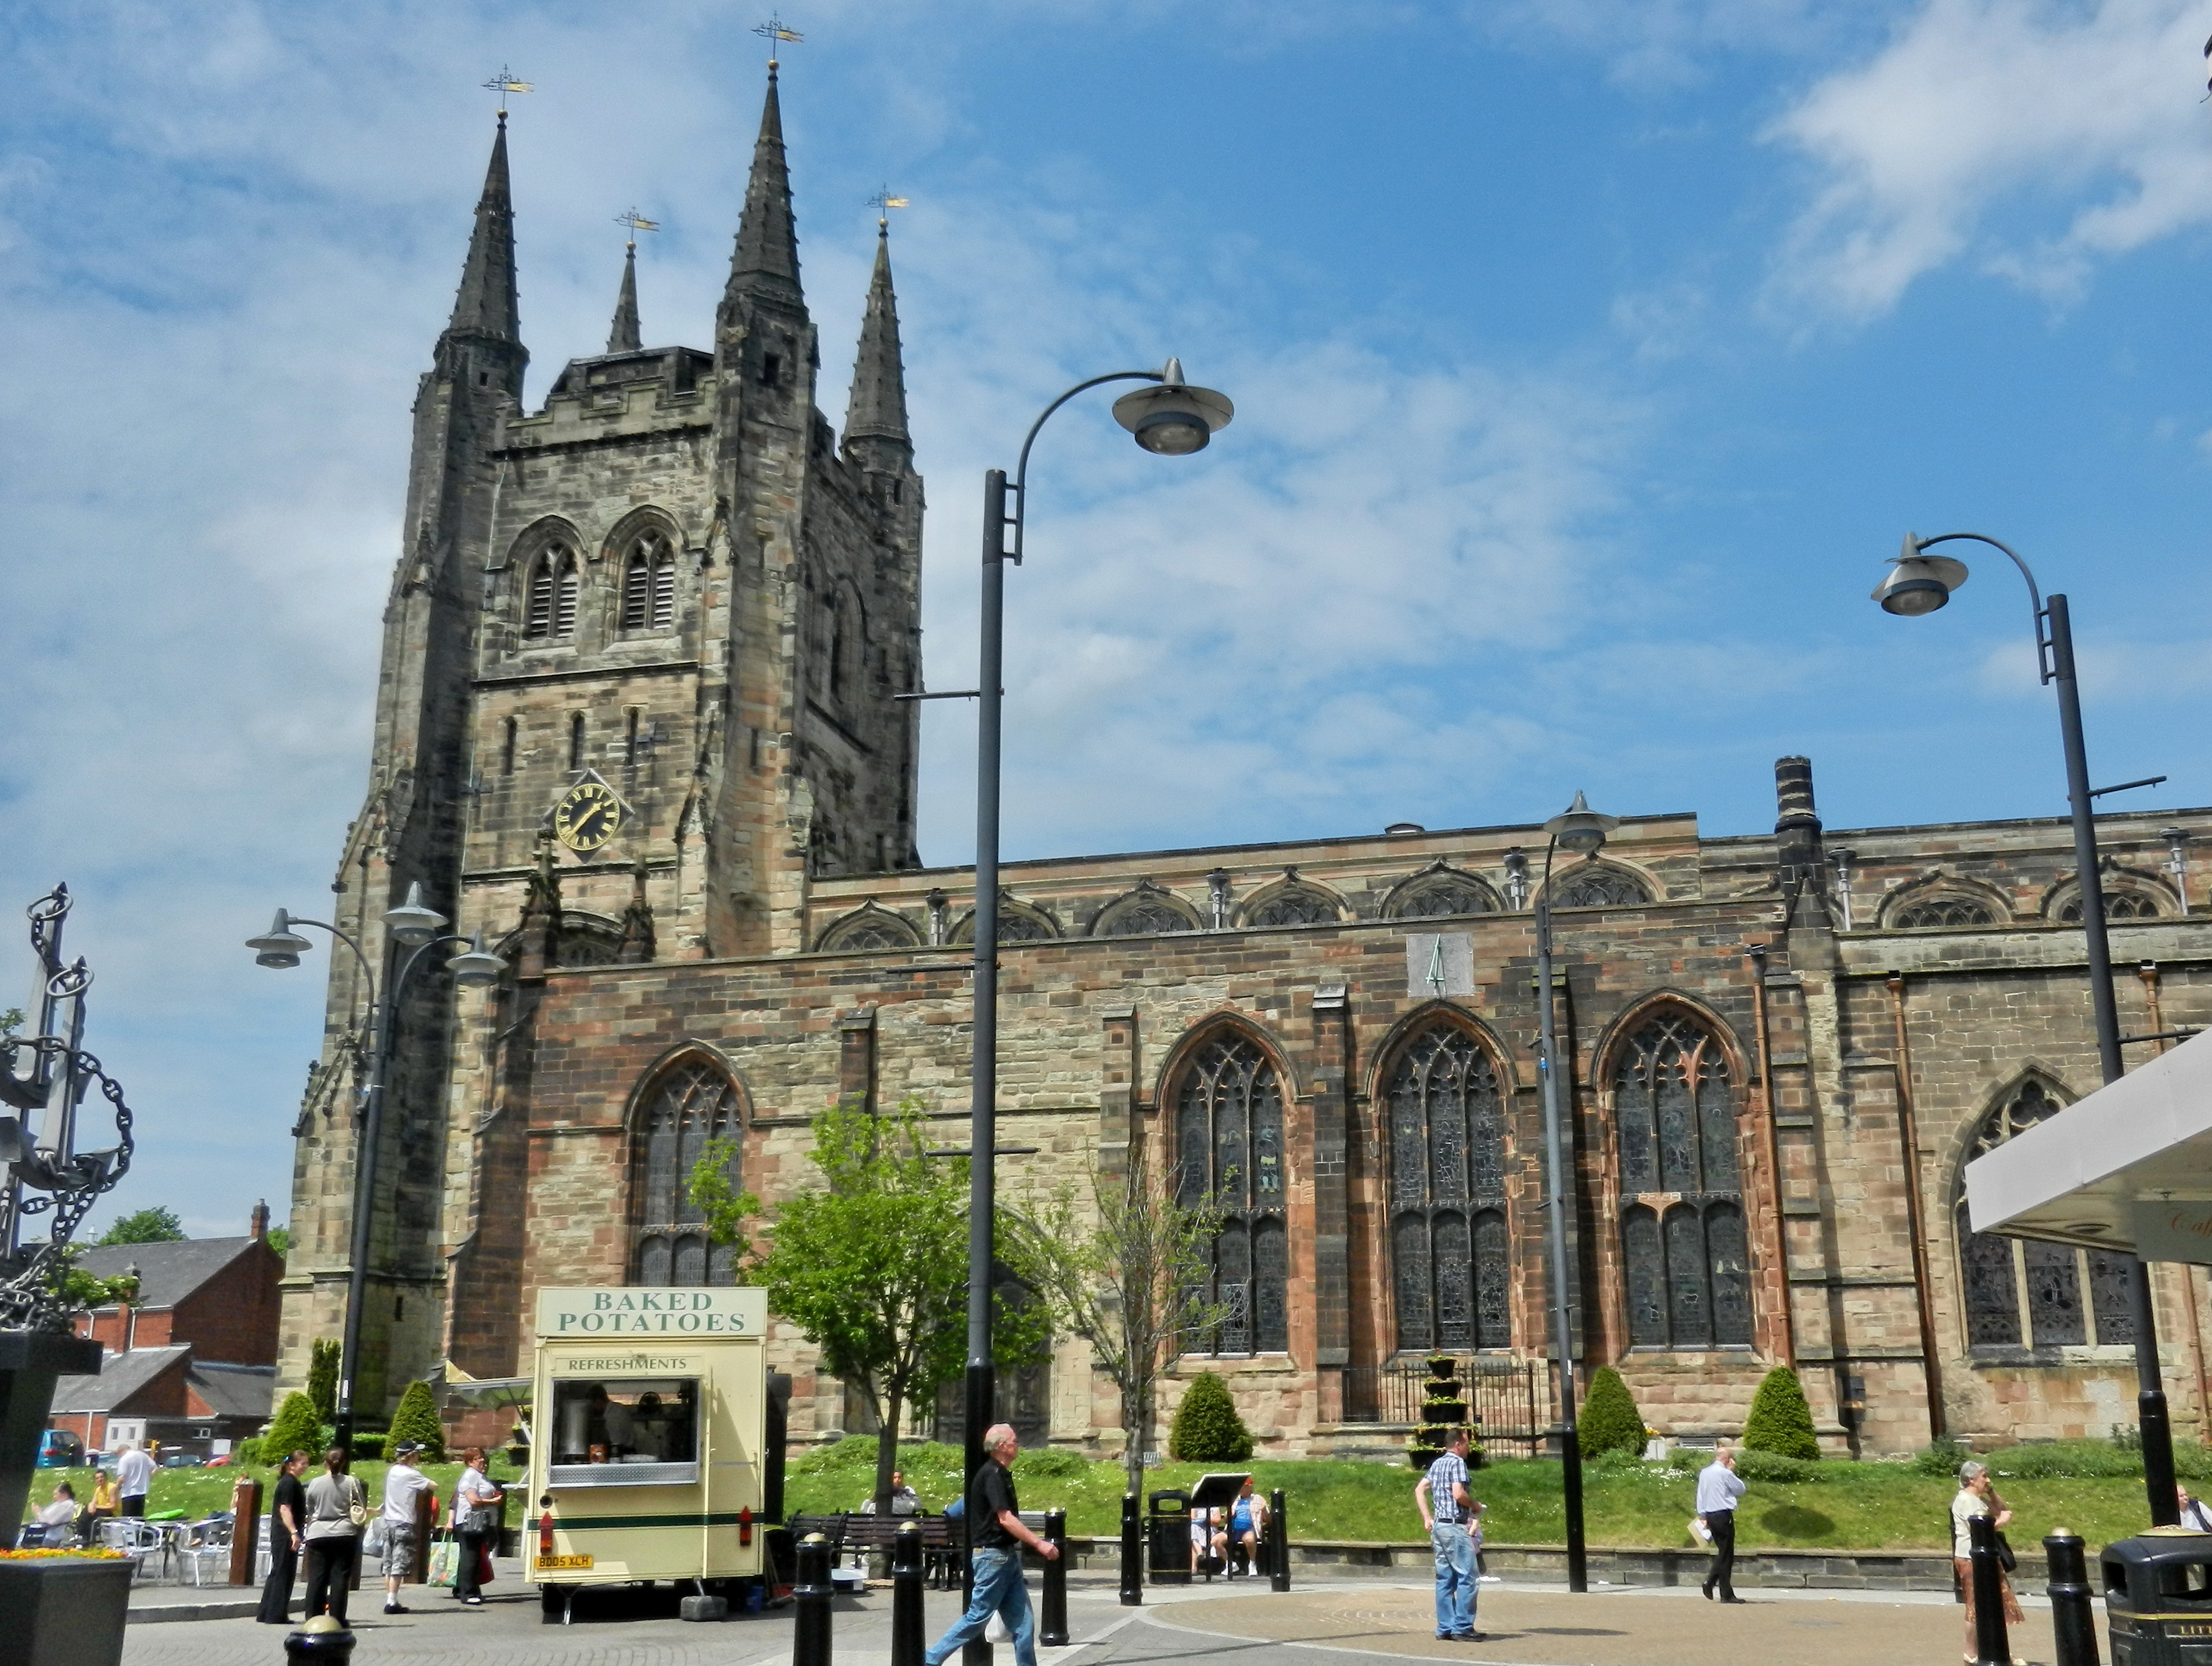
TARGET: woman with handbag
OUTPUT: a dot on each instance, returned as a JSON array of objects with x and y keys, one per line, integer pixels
[
  {"x": 1977, "y": 1496},
  {"x": 476, "y": 1525},
  {"x": 337, "y": 1510}
]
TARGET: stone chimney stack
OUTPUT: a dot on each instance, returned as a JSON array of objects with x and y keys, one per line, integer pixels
[
  {"x": 1797, "y": 828},
  {"x": 257, "y": 1226}
]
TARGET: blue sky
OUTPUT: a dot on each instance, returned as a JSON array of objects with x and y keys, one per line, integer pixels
[{"x": 1591, "y": 358}]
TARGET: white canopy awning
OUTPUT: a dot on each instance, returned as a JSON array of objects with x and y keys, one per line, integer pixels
[{"x": 2129, "y": 1167}]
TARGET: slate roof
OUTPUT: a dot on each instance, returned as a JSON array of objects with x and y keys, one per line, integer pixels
[
  {"x": 234, "y": 1390},
  {"x": 167, "y": 1272},
  {"x": 122, "y": 1375}
]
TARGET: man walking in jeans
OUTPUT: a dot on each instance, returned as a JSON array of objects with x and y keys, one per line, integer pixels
[
  {"x": 1449, "y": 1513},
  {"x": 997, "y": 1535}
]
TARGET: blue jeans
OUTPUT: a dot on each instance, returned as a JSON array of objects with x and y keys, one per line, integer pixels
[
  {"x": 998, "y": 1589},
  {"x": 1455, "y": 1578}
]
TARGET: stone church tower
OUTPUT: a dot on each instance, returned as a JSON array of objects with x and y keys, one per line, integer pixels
[{"x": 674, "y": 583}]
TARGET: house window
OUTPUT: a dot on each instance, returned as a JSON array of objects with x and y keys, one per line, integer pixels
[
  {"x": 1228, "y": 1146},
  {"x": 1447, "y": 1195},
  {"x": 694, "y": 1103},
  {"x": 1683, "y": 1240},
  {"x": 649, "y": 585},
  {"x": 2021, "y": 1293}
]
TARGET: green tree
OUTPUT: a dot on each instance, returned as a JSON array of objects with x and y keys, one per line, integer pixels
[
  {"x": 1609, "y": 1420},
  {"x": 1780, "y": 1420},
  {"x": 323, "y": 1377},
  {"x": 873, "y": 1268},
  {"x": 1206, "y": 1428},
  {"x": 154, "y": 1226},
  {"x": 79, "y": 1290},
  {"x": 280, "y": 1240},
  {"x": 297, "y": 1427},
  {"x": 1121, "y": 1275},
  {"x": 417, "y": 1419}
]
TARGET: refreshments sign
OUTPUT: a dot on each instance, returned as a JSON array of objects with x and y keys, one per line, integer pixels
[{"x": 645, "y": 1314}]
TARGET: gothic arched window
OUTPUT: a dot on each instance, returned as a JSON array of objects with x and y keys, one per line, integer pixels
[
  {"x": 871, "y": 927},
  {"x": 1588, "y": 887},
  {"x": 1294, "y": 904},
  {"x": 1683, "y": 1241},
  {"x": 1440, "y": 895},
  {"x": 1228, "y": 1146},
  {"x": 1447, "y": 1195},
  {"x": 2022, "y": 1293},
  {"x": 841, "y": 645},
  {"x": 556, "y": 586},
  {"x": 649, "y": 585},
  {"x": 2118, "y": 905},
  {"x": 693, "y": 1104},
  {"x": 1943, "y": 911},
  {"x": 1144, "y": 912}
]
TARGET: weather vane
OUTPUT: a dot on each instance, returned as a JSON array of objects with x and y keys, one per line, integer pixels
[
  {"x": 883, "y": 202},
  {"x": 636, "y": 223},
  {"x": 774, "y": 32},
  {"x": 503, "y": 83}
]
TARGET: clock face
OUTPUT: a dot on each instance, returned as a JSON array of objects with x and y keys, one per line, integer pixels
[{"x": 589, "y": 815}]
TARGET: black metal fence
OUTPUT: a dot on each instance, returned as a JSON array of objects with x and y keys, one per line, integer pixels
[{"x": 1512, "y": 1397}]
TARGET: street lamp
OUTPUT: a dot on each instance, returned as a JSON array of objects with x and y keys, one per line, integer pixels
[
  {"x": 417, "y": 928},
  {"x": 1918, "y": 583},
  {"x": 1582, "y": 831}
]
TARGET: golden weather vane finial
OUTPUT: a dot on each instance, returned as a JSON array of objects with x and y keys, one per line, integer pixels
[
  {"x": 883, "y": 202},
  {"x": 503, "y": 83},
  {"x": 636, "y": 223},
  {"x": 776, "y": 31}
]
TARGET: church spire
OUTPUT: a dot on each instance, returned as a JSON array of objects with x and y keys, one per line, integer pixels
[
  {"x": 766, "y": 264},
  {"x": 877, "y": 410},
  {"x": 486, "y": 305},
  {"x": 624, "y": 337}
]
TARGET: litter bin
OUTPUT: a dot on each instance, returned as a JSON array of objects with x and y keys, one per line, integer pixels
[
  {"x": 2158, "y": 1598},
  {"x": 1170, "y": 1538}
]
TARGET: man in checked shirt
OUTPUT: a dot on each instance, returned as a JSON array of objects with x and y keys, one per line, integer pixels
[{"x": 1449, "y": 1513}]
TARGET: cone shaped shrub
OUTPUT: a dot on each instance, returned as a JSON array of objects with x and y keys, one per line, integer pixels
[
  {"x": 417, "y": 1419},
  {"x": 323, "y": 1377},
  {"x": 297, "y": 1428},
  {"x": 1206, "y": 1428},
  {"x": 1780, "y": 1420},
  {"x": 1609, "y": 1420}
]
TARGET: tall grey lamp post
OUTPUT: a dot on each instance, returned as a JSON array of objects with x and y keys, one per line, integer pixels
[
  {"x": 1919, "y": 583},
  {"x": 417, "y": 929},
  {"x": 1581, "y": 830}
]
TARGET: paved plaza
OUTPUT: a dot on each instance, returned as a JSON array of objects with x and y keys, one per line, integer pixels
[{"x": 1339, "y": 1624}]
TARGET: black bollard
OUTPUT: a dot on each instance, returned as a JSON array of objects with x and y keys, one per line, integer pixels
[
  {"x": 906, "y": 1642},
  {"x": 1990, "y": 1648},
  {"x": 321, "y": 1639},
  {"x": 2073, "y": 1607},
  {"x": 1279, "y": 1542},
  {"x": 1132, "y": 1553},
  {"x": 1053, "y": 1633},
  {"x": 809, "y": 1643}
]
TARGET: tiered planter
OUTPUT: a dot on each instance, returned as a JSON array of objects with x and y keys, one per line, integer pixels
[{"x": 1443, "y": 1408}]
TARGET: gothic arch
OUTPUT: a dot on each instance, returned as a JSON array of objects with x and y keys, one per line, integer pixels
[
  {"x": 1440, "y": 891},
  {"x": 588, "y": 939},
  {"x": 2130, "y": 894},
  {"x": 646, "y": 517},
  {"x": 1019, "y": 923},
  {"x": 1939, "y": 898},
  {"x": 690, "y": 1096},
  {"x": 1293, "y": 901},
  {"x": 533, "y": 538},
  {"x": 547, "y": 607},
  {"x": 643, "y": 554},
  {"x": 870, "y": 926},
  {"x": 1147, "y": 911},
  {"x": 1606, "y": 1050},
  {"x": 1600, "y": 881}
]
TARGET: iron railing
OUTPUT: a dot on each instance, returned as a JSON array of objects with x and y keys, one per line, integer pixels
[{"x": 1510, "y": 1400}]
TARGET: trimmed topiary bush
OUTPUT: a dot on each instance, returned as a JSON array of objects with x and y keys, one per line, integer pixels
[
  {"x": 323, "y": 1378},
  {"x": 1206, "y": 1428},
  {"x": 417, "y": 1419},
  {"x": 297, "y": 1428},
  {"x": 1609, "y": 1420},
  {"x": 1780, "y": 1421}
]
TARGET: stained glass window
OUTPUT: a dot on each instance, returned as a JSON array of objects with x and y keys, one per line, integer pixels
[
  {"x": 1597, "y": 888},
  {"x": 1447, "y": 1124},
  {"x": 2118, "y": 905},
  {"x": 1293, "y": 905},
  {"x": 1951, "y": 911},
  {"x": 1229, "y": 1145},
  {"x": 1147, "y": 911},
  {"x": 694, "y": 1103},
  {"x": 1683, "y": 1236},
  {"x": 871, "y": 928},
  {"x": 1436, "y": 897}
]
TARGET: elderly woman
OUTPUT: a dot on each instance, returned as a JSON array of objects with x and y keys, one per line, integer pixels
[{"x": 1978, "y": 1497}]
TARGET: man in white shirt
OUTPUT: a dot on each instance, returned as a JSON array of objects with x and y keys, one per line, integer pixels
[
  {"x": 403, "y": 1484},
  {"x": 134, "y": 1479},
  {"x": 1718, "y": 1488}
]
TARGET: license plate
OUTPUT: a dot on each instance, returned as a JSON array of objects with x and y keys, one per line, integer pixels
[{"x": 548, "y": 1564}]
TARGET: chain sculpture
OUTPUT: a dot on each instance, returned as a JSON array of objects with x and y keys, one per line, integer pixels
[{"x": 44, "y": 1078}]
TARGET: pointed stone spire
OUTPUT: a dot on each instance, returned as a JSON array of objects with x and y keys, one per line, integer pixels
[
  {"x": 486, "y": 305},
  {"x": 766, "y": 264},
  {"x": 623, "y": 338},
  {"x": 876, "y": 413}
]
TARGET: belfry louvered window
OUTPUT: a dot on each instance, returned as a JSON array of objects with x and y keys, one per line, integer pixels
[
  {"x": 693, "y": 1104},
  {"x": 1683, "y": 1240},
  {"x": 2022, "y": 1293},
  {"x": 649, "y": 585},
  {"x": 1228, "y": 1146},
  {"x": 1448, "y": 1244},
  {"x": 555, "y": 587}
]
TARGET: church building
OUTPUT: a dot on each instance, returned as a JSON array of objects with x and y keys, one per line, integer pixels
[{"x": 636, "y": 724}]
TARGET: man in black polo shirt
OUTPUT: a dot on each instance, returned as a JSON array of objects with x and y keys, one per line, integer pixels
[{"x": 995, "y": 1523}]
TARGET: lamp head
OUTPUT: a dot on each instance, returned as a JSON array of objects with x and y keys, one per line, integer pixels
[
  {"x": 280, "y": 946},
  {"x": 414, "y": 922},
  {"x": 1581, "y": 829},
  {"x": 1917, "y": 583},
  {"x": 476, "y": 966},
  {"x": 1173, "y": 419}
]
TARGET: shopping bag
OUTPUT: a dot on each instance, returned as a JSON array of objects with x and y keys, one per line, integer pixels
[
  {"x": 444, "y": 1562},
  {"x": 484, "y": 1564},
  {"x": 1700, "y": 1531},
  {"x": 372, "y": 1542},
  {"x": 994, "y": 1629}
]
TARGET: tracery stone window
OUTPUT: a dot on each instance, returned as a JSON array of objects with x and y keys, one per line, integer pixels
[
  {"x": 1292, "y": 904},
  {"x": 1683, "y": 1245},
  {"x": 1588, "y": 887},
  {"x": 1942, "y": 911},
  {"x": 2022, "y": 1293},
  {"x": 693, "y": 1104},
  {"x": 2118, "y": 905},
  {"x": 1229, "y": 1145},
  {"x": 1448, "y": 1244},
  {"x": 1018, "y": 923},
  {"x": 871, "y": 927},
  {"x": 1439, "y": 895},
  {"x": 649, "y": 584},
  {"x": 555, "y": 587},
  {"x": 1147, "y": 911}
]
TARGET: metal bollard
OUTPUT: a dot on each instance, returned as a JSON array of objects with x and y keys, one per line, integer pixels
[
  {"x": 907, "y": 1643},
  {"x": 1132, "y": 1553},
  {"x": 2073, "y": 1608},
  {"x": 321, "y": 1639},
  {"x": 1279, "y": 1542},
  {"x": 809, "y": 1643},
  {"x": 1054, "y": 1634},
  {"x": 1990, "y": 1647}
]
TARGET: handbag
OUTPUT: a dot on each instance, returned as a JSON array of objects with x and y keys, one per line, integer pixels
[
  {"x": 483, "y": 1566},
  {"x": 2006, "y": 1559},
  {"x": 356, "y": 1504},
  {"x": 445, "y": 1563}
]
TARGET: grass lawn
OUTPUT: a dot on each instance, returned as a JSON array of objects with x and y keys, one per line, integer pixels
[{"x": 200, "y": 1492}]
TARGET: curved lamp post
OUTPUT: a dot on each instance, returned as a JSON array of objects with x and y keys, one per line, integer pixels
[
  {"x": 1582, "y": 831},
  {"x": 1919, "y": 583},
  {"x": 417, "y": 928}
]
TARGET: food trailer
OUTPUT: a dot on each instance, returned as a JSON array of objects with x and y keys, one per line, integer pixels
[{"x": 648, "y": 1451}]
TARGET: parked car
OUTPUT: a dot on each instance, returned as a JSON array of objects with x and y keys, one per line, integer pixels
[
  {"x": 60, "y": 1449},
  {"x": 183, "y": 1461},
  {"x": 220, "y": 1460}
]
